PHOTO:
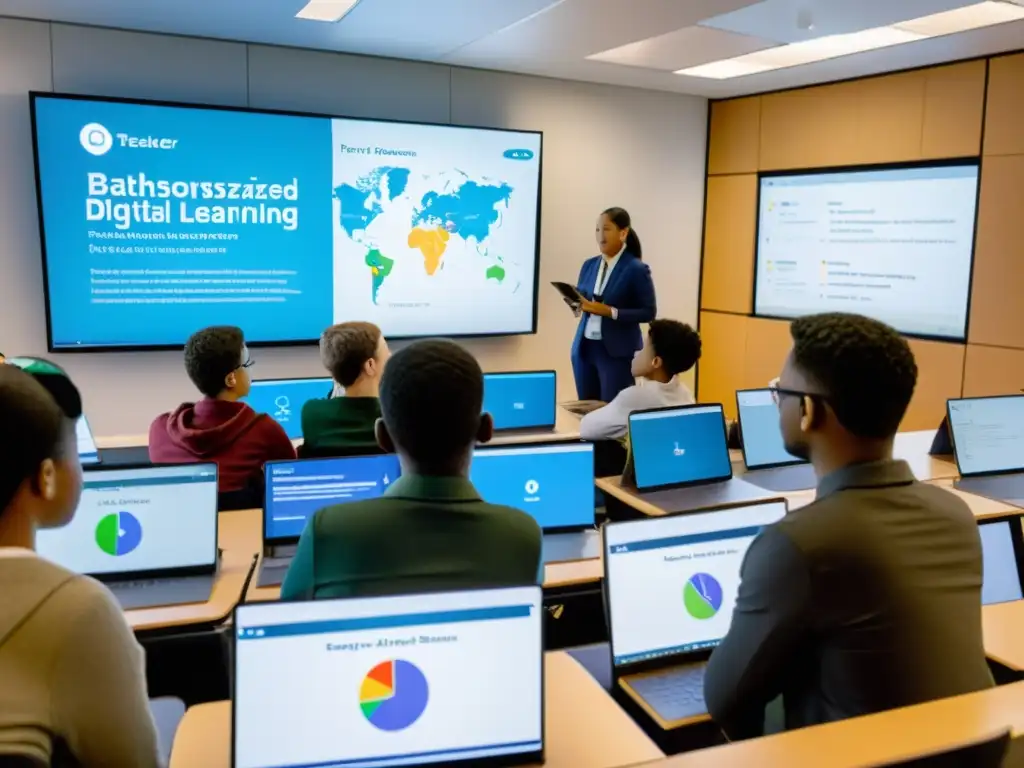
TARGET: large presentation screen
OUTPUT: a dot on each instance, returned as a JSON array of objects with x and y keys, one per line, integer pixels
[
  {"x": 158, "y": 220},
  {"x": 895, "y": 244}
]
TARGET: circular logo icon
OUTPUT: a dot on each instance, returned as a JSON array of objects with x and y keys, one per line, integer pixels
[
  {"x": 532, "y": 486},
  {"x": 96, "y": 139}
]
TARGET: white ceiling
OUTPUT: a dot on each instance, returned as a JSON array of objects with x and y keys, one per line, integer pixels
[{"x": 641, "y": 42}]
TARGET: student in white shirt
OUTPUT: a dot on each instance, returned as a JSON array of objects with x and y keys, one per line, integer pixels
[{"x": 670, "y": 348}]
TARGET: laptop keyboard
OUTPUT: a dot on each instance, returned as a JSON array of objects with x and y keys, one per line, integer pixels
[
  {"x": 122, "y": 586},
  {"x": 674, "y": 694}
]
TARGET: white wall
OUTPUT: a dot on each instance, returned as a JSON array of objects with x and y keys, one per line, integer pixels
[{"x": 603, "y": 146}]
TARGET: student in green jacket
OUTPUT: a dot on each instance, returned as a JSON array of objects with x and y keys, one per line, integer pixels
[
  {"x": 430, "y": 530},
  {"x": 354, "y": 354}
]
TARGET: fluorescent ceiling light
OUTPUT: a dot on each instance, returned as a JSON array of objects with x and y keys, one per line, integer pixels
[
  {"x": 975, "y": 16},
  {"x": 326, "y": 10}
]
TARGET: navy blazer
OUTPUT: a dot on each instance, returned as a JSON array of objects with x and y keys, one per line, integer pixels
[{"x": 630, "y": 290}]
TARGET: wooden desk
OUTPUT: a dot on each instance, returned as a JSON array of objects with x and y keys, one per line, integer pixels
[
  {"x": 1003, "y": 629},
  {"x": 873, "y": 739},
  {"x": 584, "y": 727},
  {"x": 981, "y": 506}
]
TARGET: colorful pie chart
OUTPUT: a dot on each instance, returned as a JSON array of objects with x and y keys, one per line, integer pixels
[
  {"x": 702, "y": 596},
  {"x": 393, "y": 695},
  {"x": 118, "y": 533}
]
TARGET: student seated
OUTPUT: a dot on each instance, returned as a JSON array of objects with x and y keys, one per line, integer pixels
[
  {"x": 430, "y": 530},
  {"x": 219, "y": 428},
  {"x": 670, "y": 348},
  {"x": 869, "y": 598},
  {"x": 74, "y": 678},
  {"x": 355, "y": 354}
]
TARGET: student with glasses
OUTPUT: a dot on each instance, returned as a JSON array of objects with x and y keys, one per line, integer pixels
[
  {"x": 869, "y": 598},
  {"x": 219, "y": 427},
  {"x": 73, "y": 688}
]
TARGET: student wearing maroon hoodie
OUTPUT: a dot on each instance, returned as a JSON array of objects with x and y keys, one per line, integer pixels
[{"x": 219, "y": 428}]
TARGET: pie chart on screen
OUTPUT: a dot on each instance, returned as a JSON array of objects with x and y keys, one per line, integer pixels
[
  {"x": 702, "y": 596},
  {"x": 118, "y": 533},
  {"x": 393, "y": 695}
]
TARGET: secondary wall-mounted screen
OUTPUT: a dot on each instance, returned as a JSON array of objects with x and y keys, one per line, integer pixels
[
  {"x": 895, "y": 244},
  {"x": 159, "y": 220}
]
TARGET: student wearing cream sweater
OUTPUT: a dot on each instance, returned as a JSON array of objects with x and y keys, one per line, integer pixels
[
  {"x": 670, "y": 349},
  {"x": 73, "y": 690}
]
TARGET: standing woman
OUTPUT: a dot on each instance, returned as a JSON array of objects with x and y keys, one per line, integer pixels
[{"x": 618, "y": 296}]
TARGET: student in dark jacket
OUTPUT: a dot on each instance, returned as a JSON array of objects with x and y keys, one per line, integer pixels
[
  {"x": 218, "y": 427},
  {"x": 870, "y": 597},
  {"x": 430, "y": 530},
  {"x": 354, "y": 354}
]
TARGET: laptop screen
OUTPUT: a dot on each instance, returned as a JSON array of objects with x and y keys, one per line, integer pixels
[
  {"x": 520, "y": 400},
  {"x": 988, "y": 433},
  {"x": 1000, "y": 571},
  {"x": 282, "y": 399},
  {"x": 759, "y": 425},
  {"x": 296, "y": 489},
  {"x": 672, "y": 581},
  {"x": 135, "y": 520},
  {"x": 554, "y": 483},
  {"x": 678, "y": 446},
  {"x": 426, "y": 679},
  {"x": 88, "y": 453}
]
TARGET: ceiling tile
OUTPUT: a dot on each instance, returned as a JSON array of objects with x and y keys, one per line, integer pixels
[{"x": 686, "y": 47}]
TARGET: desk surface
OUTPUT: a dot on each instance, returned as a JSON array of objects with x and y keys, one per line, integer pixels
[
  {"x": 584, "y": 727},
  {"x": 1003, "y": 629},
  {"x": 874, "y": 739},
  {"x": 567, "y": 427}
]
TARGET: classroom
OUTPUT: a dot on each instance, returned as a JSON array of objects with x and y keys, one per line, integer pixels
[{"x": 579, "y": 383}]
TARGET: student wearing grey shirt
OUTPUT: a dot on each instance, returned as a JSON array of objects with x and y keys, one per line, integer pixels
[
  {"x": 670, "y": 349},
  {"x": 73, "y": 689},
  {"x": 869, "y": 598}
]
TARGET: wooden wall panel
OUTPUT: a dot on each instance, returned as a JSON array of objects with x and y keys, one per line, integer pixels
[
  {"x": 720, "y": 370},
  {"x": 864, "y": 121},
  {"x": 768, "y": 343},
  {"x": 1004, "y": 114},
  {"x": 993, "y": 371},
  {"x": 954, "y": 102},
  {"x": 939, "y": 377},
  {"x": 735, "y": 136},
  {"x": 730, "y": 220},
  {"x": 997, "y": 293}
]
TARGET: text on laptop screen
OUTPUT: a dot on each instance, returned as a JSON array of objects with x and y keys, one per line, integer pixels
[
  {"x": 139, "y": 520},
  {"x": 676, "y": 446},
  {"x": 283, "y": 399},
  {"x": 672, "y": 581},
  {"x": 759, "y": 425},
  {"x": 520, "y": 400},
  {"x": 88, "y": 453},
  {"x": 295, "y": 490},
  {"x": 988, "y": 433},
  {"x": 554, "y": 484},
  {"x": 1000, "y": 574},
  {"x": 411, "y": 680}
]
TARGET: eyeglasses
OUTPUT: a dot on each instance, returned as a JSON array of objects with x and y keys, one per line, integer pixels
[
  {"x": 780, "y": 392},
  {"x": 249, "y": 362}
]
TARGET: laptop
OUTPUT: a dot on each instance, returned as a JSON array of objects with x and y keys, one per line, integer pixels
[
  {"x": 670, "y": 585},
  {"x": 296, "y": 488},
  {"x": 521, "y": 400},
  {"x": 554, "y": 483},
  {"x": 149, "y": 533},
  {"x": 88, "y": 453},
  {"x": 1002, "y": 550},
  {"x": 769, "y": 465},
  {"x": 680, "y": 459},
  {"x": 446, "y": 678},
  {"x": 282, "y": 399},
  {"x": 988, "y": 443}
]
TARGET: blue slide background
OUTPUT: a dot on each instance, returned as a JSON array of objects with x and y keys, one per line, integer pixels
[
  {"x": 762, "y": 436},
  {"x": 520, "y": 401},
  {"x": 565, "y": 480},
  {"x": 698, "y": 433},
  {"x": 288, "y": 518},
  {"x": 263, "y": 396},
  {"x": 214, "y": 146}
]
